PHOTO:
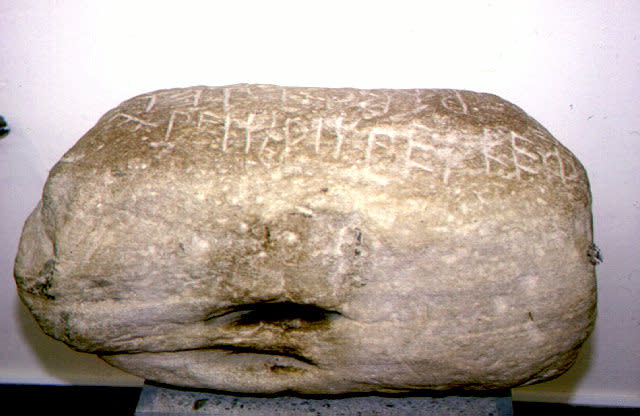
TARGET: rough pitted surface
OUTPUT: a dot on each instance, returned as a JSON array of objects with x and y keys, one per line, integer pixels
[{"x": 257, "y": 238}]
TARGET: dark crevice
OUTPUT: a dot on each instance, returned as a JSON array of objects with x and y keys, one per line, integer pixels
[
  {"x": 272, "y": 350},
  {"x": 280, "y": 351},
  {"x": 285, "y": 315},
  {"x": 267, "y": 238},
  {"x": 268, "y": 316}
]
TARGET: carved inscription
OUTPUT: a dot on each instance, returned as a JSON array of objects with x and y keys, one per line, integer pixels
[
  {"x": 517, "y": 153},
  {"x": 352, "y": 127},
  {"x": 133, "y": 122},
  {"x": 455, "y": 103}
]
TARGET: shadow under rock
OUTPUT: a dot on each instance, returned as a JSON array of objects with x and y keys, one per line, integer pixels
[{"x": 565, "y": 387}]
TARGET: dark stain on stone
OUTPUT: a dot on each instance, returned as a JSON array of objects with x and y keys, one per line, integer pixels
[
  {"x": 102, "y": 283},
  {"x": 199, "y": 404},
  {"x": 267, "y": 238},
  {"x": 276, "y": 368},
  {"x": 43, "y": 285}
]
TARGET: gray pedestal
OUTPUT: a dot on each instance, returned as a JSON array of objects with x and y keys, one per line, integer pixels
[{"x": 164, "y": 401}]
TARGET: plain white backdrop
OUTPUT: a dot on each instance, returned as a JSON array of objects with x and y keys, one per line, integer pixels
[{"x": 572, "y": 65}]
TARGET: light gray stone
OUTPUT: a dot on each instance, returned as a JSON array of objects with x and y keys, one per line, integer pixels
[
  {"x": 256, "y": 238},
  {"x": 163, "y": 401}
]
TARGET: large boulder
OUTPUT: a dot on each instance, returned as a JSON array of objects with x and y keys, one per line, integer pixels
[{"x": 256, "y": 238}]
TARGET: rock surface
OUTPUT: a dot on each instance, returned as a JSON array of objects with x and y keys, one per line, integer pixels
[{"x": 256, "y": 238}]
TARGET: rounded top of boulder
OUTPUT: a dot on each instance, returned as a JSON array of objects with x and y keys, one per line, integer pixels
[{"x": 423, "y": 135}]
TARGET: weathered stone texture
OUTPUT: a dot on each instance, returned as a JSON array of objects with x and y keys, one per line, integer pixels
[{"x": 259, "y": 238}]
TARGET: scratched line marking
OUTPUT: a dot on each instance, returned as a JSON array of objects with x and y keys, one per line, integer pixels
[
  {"x": 272, "y": 135},
  {"x": 152, "y": 102},
  {"x": 555, "y": 154},
  {"x": 387, "y": 104},
  {"x": 287, "y": 136},
  {"x": 226, "y": 100},
  {"x": 172, "y": 120},
  {"x": 465, "y": 110},
  {"x": 516, "y": 150},
  {"x": 190, "y": 96},
  {"x": 318, "y": 134},
  {"x": 375, "y": 106},
  {"x": 485, "y": 152},
  {"x": 302, "y": 135},
  {"x": 129, "y": 118},
  {"x": 562, "y": 171},
  {"x": 574, "y": 173},
  {"x": 372, "y": 142},
  {"x": 411, "y": 145},
  {"x": 339, "y": 137},
  {"x": 448, "y": 103},
  {"x": 225, "y": 136},
  {"x": 248, "y": 131},
  {"x": 208, "y": 118},
  {"x": 196, "y": 98},
  {"x": 446, "y": 173}
]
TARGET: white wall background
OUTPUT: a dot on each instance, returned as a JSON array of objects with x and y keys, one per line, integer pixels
[{"x": 572, "y": 65}]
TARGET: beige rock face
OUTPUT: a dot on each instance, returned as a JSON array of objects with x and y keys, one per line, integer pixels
[{"x": 256, "y": 238}]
